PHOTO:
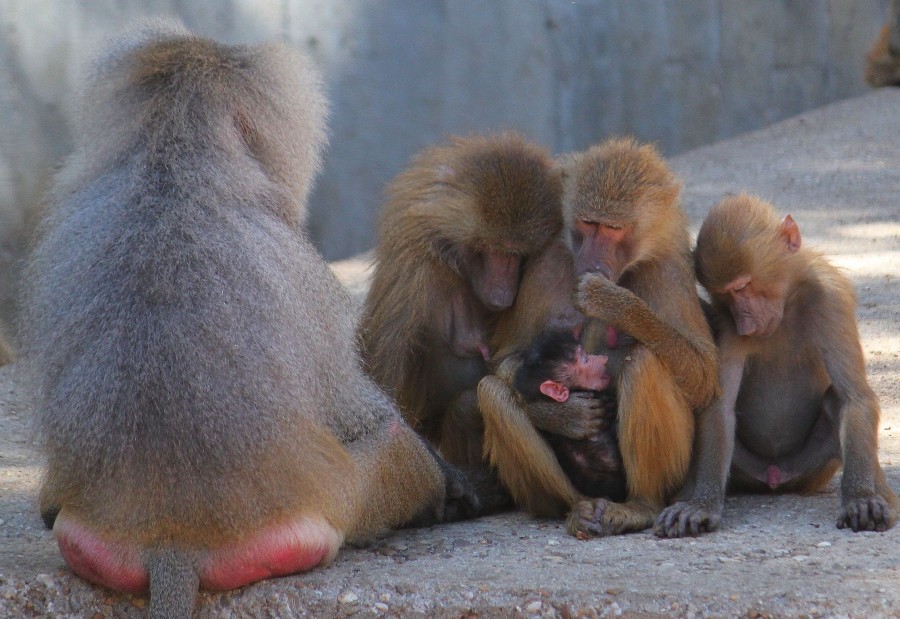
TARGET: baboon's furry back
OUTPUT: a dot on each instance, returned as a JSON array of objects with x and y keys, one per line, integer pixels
[{"x": 177, "y": 315}]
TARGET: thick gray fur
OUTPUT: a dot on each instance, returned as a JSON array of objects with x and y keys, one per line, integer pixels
[
  {"x": 173, "y": 584},
  {"x": 179, "y": 326}
]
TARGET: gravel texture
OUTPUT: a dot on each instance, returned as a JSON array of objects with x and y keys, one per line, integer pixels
[{"x": 837, "y": 170}]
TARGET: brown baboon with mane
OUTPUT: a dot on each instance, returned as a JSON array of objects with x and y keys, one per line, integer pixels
[{"x": 458, "y": 227}]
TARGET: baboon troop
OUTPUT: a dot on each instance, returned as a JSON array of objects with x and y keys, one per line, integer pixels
[{"x": 213, "y": 412}]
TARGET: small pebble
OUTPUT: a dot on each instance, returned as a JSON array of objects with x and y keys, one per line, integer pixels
[
  {"x": 44, "y": 579},
  {"x": 534, "y": 607},
  {"x": 349, "y": 598},
  {"x": 381, "y": 607}
]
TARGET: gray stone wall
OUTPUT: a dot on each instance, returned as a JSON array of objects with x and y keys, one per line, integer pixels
[{"x": 404, "y": 73}]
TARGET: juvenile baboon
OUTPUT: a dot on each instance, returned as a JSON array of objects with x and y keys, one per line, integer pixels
[
  {"x": 459, "y": 225},
  {"x": 555, "y": 367},
  {"x": 793, "y": 377},
  {"x": 624, "y": 222},
  {"x": 203, "y": 410}
]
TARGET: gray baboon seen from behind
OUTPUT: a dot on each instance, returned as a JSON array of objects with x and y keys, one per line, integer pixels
[{"x": 200, "y": 398}]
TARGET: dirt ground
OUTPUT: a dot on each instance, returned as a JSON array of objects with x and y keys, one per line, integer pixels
[{"x": 837, "y": 170}]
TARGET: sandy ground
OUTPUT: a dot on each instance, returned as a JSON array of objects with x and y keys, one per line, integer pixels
[{"x": 837, "y": 170}]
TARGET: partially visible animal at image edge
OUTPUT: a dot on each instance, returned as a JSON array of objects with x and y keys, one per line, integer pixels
[{"x": 883, "y": 60}]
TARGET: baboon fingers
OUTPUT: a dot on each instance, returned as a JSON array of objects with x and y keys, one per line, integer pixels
[
  {"x": 868, "y": 513},
  {"x": 585, "y": 519},
  {"x": 462, "y": 500},
  {"x": 685, "y": 519},
  {"x": 602, "y": 517},
  {"x": 667, "y": 525}
]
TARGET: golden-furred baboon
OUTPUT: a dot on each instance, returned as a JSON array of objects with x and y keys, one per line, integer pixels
[
  {"x": 627, "y": 240},
  {"x": 458, "y": 226},
  {"x": 200, "y": 398},
  {"x": 793, "y": 377},
  {"x": 883, "y": 60}
]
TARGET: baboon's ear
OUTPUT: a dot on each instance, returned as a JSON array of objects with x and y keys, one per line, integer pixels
[
  {"x": 790, "y": 232},
  {"x": 555, "y": 390}
]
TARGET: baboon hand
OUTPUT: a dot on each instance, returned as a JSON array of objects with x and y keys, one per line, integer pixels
[
  {"x": 586, "y": 519},
  {"x": 866, "y": 513},
  {"x": 687, "y": 519},
  {"x": 461, "y": 500},
  {"x": 602, "y": 299},
  {"x": 581, "y": 416},
  {"x": 597, "y": 415}
]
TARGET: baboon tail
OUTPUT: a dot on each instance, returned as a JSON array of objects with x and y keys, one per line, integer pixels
[{"x": 173, "y": 584}]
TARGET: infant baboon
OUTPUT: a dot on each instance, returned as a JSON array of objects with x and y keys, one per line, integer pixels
[
  {"x": 201, "y": 402},
  {"x": 555, "y": 364}
]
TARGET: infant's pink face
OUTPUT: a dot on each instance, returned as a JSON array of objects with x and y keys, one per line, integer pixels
[{"x": 589, "y": 371}]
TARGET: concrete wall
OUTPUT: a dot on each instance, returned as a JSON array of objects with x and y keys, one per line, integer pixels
[{"x": 404, "y": 73}]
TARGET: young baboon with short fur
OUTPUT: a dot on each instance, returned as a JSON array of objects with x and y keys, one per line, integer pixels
[
  {"x": 199, "y": 395},
  {"x": 794, "y": 393}
]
